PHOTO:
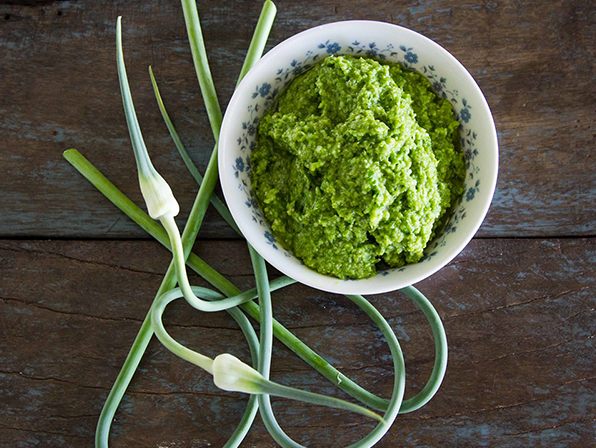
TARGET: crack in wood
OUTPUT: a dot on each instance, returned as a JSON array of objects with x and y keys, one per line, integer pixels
[
  {"x": 111, "y": 319},
  {"x": 557, "y": 425},
  {"x": 69, "y": 313},
  {"x": 358, "y": 324},
  {"x": 318, "y": 426},
  {"x": 579, "y": 380},
  {"x": 129, "y": 392},
  {"x": 491, "y": 256},
  {"x": 511, "y": 305},
  {"x": 571, "y": 316},
  {"x": 483, "y": 411},
  {"x": 508, "y": 355},
  {"x": 70, "y": 417},
  {"x": 40, "y": 431},
  {"x": 112, "y": 226},
  {"x": 80, "y": 260}
]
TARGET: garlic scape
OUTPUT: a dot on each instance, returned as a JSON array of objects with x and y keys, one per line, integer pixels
[
  {"x": 231, "y": 374},
  {"x": 158, "y": 196},
  {"x": 156, "y": 192}
]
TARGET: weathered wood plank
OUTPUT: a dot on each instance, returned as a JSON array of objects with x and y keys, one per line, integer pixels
[
  {"x": 519, "y": 315},
  {"x": 535, "y": 63}
]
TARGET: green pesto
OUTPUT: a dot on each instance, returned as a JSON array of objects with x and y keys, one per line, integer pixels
[{"x": 357, "y": 163}]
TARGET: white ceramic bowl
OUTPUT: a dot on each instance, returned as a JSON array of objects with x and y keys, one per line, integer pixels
[{"x": 379, "y": 40}]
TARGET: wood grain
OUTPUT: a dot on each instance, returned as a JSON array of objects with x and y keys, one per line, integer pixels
[
  {"x": 534, "y": 62},
  {"x": 519, "y": 315},
  {"x": 518, "y": 304}
]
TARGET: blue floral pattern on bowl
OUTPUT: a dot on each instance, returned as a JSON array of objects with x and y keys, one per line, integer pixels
[{"x": 264, "y": 94}]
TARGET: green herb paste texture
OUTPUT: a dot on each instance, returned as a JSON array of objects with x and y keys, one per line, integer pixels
[{"x": 357, "y": 163}]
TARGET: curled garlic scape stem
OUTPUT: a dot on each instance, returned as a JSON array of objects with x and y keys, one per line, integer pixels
[
  {"x": 229, "y": 373},
  {"x": 260, "y": 350}
]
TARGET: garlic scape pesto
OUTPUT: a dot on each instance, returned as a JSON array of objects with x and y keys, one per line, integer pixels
[{"x": 357, "y": 163}]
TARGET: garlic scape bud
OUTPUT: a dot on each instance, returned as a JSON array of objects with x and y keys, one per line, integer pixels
[
  {"x": 156, "y": 192},
  {"x": 158, "y": 195},
  {"x": 231, "y": 374}
]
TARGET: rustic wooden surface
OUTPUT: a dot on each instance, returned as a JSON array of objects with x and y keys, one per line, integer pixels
[
  {"x": 518, "y": 304},
  {"x": 533, "y": 60},
  {"x": 521, "y": 367}
]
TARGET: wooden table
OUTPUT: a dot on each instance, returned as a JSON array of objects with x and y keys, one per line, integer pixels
[{"x": 77, "y": 277}]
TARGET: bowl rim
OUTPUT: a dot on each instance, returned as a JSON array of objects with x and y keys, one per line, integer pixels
[{"x": 336, "y": 285}]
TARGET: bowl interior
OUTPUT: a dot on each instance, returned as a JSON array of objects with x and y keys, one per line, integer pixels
[{"x": 382, "y": 41}]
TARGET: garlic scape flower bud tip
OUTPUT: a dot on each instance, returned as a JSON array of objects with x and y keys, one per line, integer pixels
[
  {"x": 231, "y": 374},
  {"x": 156, "y": 191},
  {"x": 158, "y": 195}
]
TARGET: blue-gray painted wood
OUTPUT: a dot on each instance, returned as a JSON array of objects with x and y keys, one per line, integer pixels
[
  {"x": 519, "y": 316},
  {"x": 59, "y": 90},
  {"x": 519, "y": 313}
]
